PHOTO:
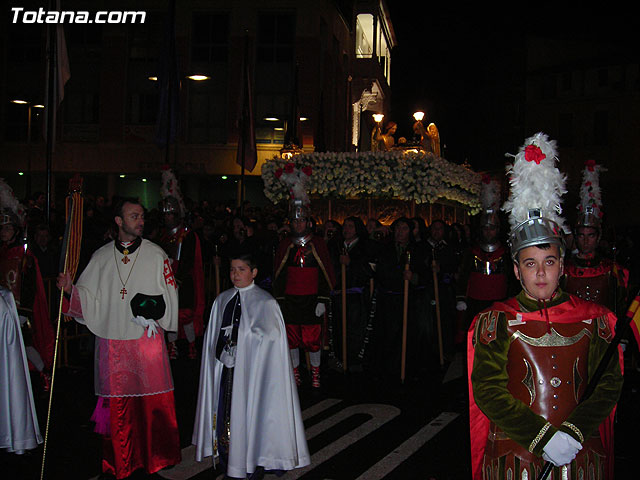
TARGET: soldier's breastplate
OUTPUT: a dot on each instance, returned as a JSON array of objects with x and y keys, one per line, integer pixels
[
  {"x": 302, "y": 271},
  {"x": 302, "y": 257},
  {"x": 487, "y": 279},
  {"x": 594, "y": 289},
  {"x": 488, "y": 266},
  {"x": 548, "y": 370}
]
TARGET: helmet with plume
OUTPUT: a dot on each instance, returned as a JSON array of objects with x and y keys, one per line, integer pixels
[
  {"x": 534, "y": 203},
  {"x": 590, "y": 207},
  {"x": 170, "y": 192},
  {"x": 12, "y": 212}
]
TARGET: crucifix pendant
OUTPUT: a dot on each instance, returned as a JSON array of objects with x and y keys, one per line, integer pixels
[
  {"x": 125, "y": 260},
  {"x": 123, "y": 292}
]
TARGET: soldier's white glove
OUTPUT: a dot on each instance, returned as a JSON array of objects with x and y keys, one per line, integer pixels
[
  {"x": 320, "y": 309},
  {"x": 228, "y": 356},
  {"x": 561, "y": 449},
  {"x": 150, "y": 324},
  {"x": 461, "y": 305}
]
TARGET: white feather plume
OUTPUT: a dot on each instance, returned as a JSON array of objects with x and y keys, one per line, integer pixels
[
  {"x": 171, "y": 188},
  {"x": 536, "y": 182},
  {"x": 9, "y": 201},
  {"x": 489, "y": 193},
  {"x": 590, "y": 194}
]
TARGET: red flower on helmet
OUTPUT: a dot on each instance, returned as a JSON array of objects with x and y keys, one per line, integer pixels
[
  {"x": 591, "y": 165},
  {"x": 307, "y": 171},
  {"x": 532, "y": 153},
  {"x": 279, "y": 173},
  {"x": 288, "y": 168}
]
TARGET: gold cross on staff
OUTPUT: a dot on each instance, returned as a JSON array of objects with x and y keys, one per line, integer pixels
[{"x": 123, "y": 292}]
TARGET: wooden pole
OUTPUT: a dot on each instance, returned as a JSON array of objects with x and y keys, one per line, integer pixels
[
  {"x": 216, "y": 265},
  {"x": 343, "y": 273},
  {"x": 434, "y": 267},
  {"x": 405, "y": 317}
]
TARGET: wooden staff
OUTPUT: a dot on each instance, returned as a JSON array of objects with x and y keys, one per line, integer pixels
[
  {"x": 216, "y": 267},
  {"x": 434, "y": 267},
  {"x": 68, "y": 264},
  {"x": 343, "y": 274},
  {"x": 405, "y": 316}
]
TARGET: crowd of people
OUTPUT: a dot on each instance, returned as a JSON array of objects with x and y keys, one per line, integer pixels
[{"x": 407, "y": 293}]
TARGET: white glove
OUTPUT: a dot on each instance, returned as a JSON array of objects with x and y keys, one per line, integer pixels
[
  {"x": 228, "y": 357},
  {"x": 461, "y": 305},
  {"x": 561, "y": 449},
  {"x": 320, "y": 309},
  {"x": 150, "y": 324}
]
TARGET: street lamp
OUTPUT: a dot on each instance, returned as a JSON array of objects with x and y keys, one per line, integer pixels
[{"x": 29, "y": 107}]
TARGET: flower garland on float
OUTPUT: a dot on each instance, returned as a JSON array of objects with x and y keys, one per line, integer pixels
[{"x": 414, "y": 176}]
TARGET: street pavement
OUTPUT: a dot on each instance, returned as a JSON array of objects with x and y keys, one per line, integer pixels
[{"x": 358, "y": 427}]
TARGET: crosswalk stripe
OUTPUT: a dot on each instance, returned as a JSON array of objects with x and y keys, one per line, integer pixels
[
  {"x": 189, "y": 467},
  {"x": 408, "y": 447},
  {"x": 381, "y": 414}
]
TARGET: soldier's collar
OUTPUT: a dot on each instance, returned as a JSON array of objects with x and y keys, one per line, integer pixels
[{"x": 530, "y": 305}]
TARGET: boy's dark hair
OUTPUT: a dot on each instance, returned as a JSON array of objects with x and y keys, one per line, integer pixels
[
  {"x": 542, "y": 246},
  {"x": 246, "y": 257}
]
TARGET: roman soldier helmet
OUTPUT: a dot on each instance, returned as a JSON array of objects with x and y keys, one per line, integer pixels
[
  {"x": 590, "y": 206},
  {"x": 490, "y": 201},
  {"x": 298, "y": 210},
  {"x": 170, "y": 192},
  {"x": 296, "y": 179},
  {"x": 534, "y": 204}
]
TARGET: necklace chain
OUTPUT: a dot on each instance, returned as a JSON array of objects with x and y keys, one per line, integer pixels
[{"x": 124, "y": 284}]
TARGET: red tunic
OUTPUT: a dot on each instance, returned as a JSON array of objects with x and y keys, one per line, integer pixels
[{"x": 13, "y": 262}]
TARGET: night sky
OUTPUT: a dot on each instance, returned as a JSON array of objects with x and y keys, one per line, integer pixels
[{"x": 454, "y": 65}]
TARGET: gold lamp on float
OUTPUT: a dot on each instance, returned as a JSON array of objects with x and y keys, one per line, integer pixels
[{"x": 377, "y": 131}]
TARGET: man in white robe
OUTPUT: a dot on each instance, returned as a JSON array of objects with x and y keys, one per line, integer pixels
[
  {"x": 265, "y": 423},
  {"x": 19, "y": 429},
  {"x": 127, "y": 297}
]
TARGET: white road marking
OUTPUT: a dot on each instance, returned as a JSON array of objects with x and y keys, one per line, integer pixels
[
  {"x": 189, "y": 467},
  {"x": 408, "y": 447},
  {"x": 380, "y": 414}
]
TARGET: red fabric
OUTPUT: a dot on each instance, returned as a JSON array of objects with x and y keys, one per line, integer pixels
[
  {"x": 42, "y": 327},
  {"x": 566, "y": 312},
  {"x": 44, "y": 335},
  {"x": 144, "y": 435},
  {"x": 321, "y": 249},
  {"x": 487, "y": 287},
  {"x": 196, "y": 314},
  {"x": 308, "y": 337},
  {"x": 302, "y": 281}
]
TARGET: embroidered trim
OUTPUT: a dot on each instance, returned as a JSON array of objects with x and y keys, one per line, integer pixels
[
  {"x": 541, "y": 434},
  {"x": 575, "y": 430}
]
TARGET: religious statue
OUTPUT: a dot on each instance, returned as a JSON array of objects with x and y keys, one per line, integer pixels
[
  {"x": 383, "y": 141},
  {"x": 429, "y": 137}
]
